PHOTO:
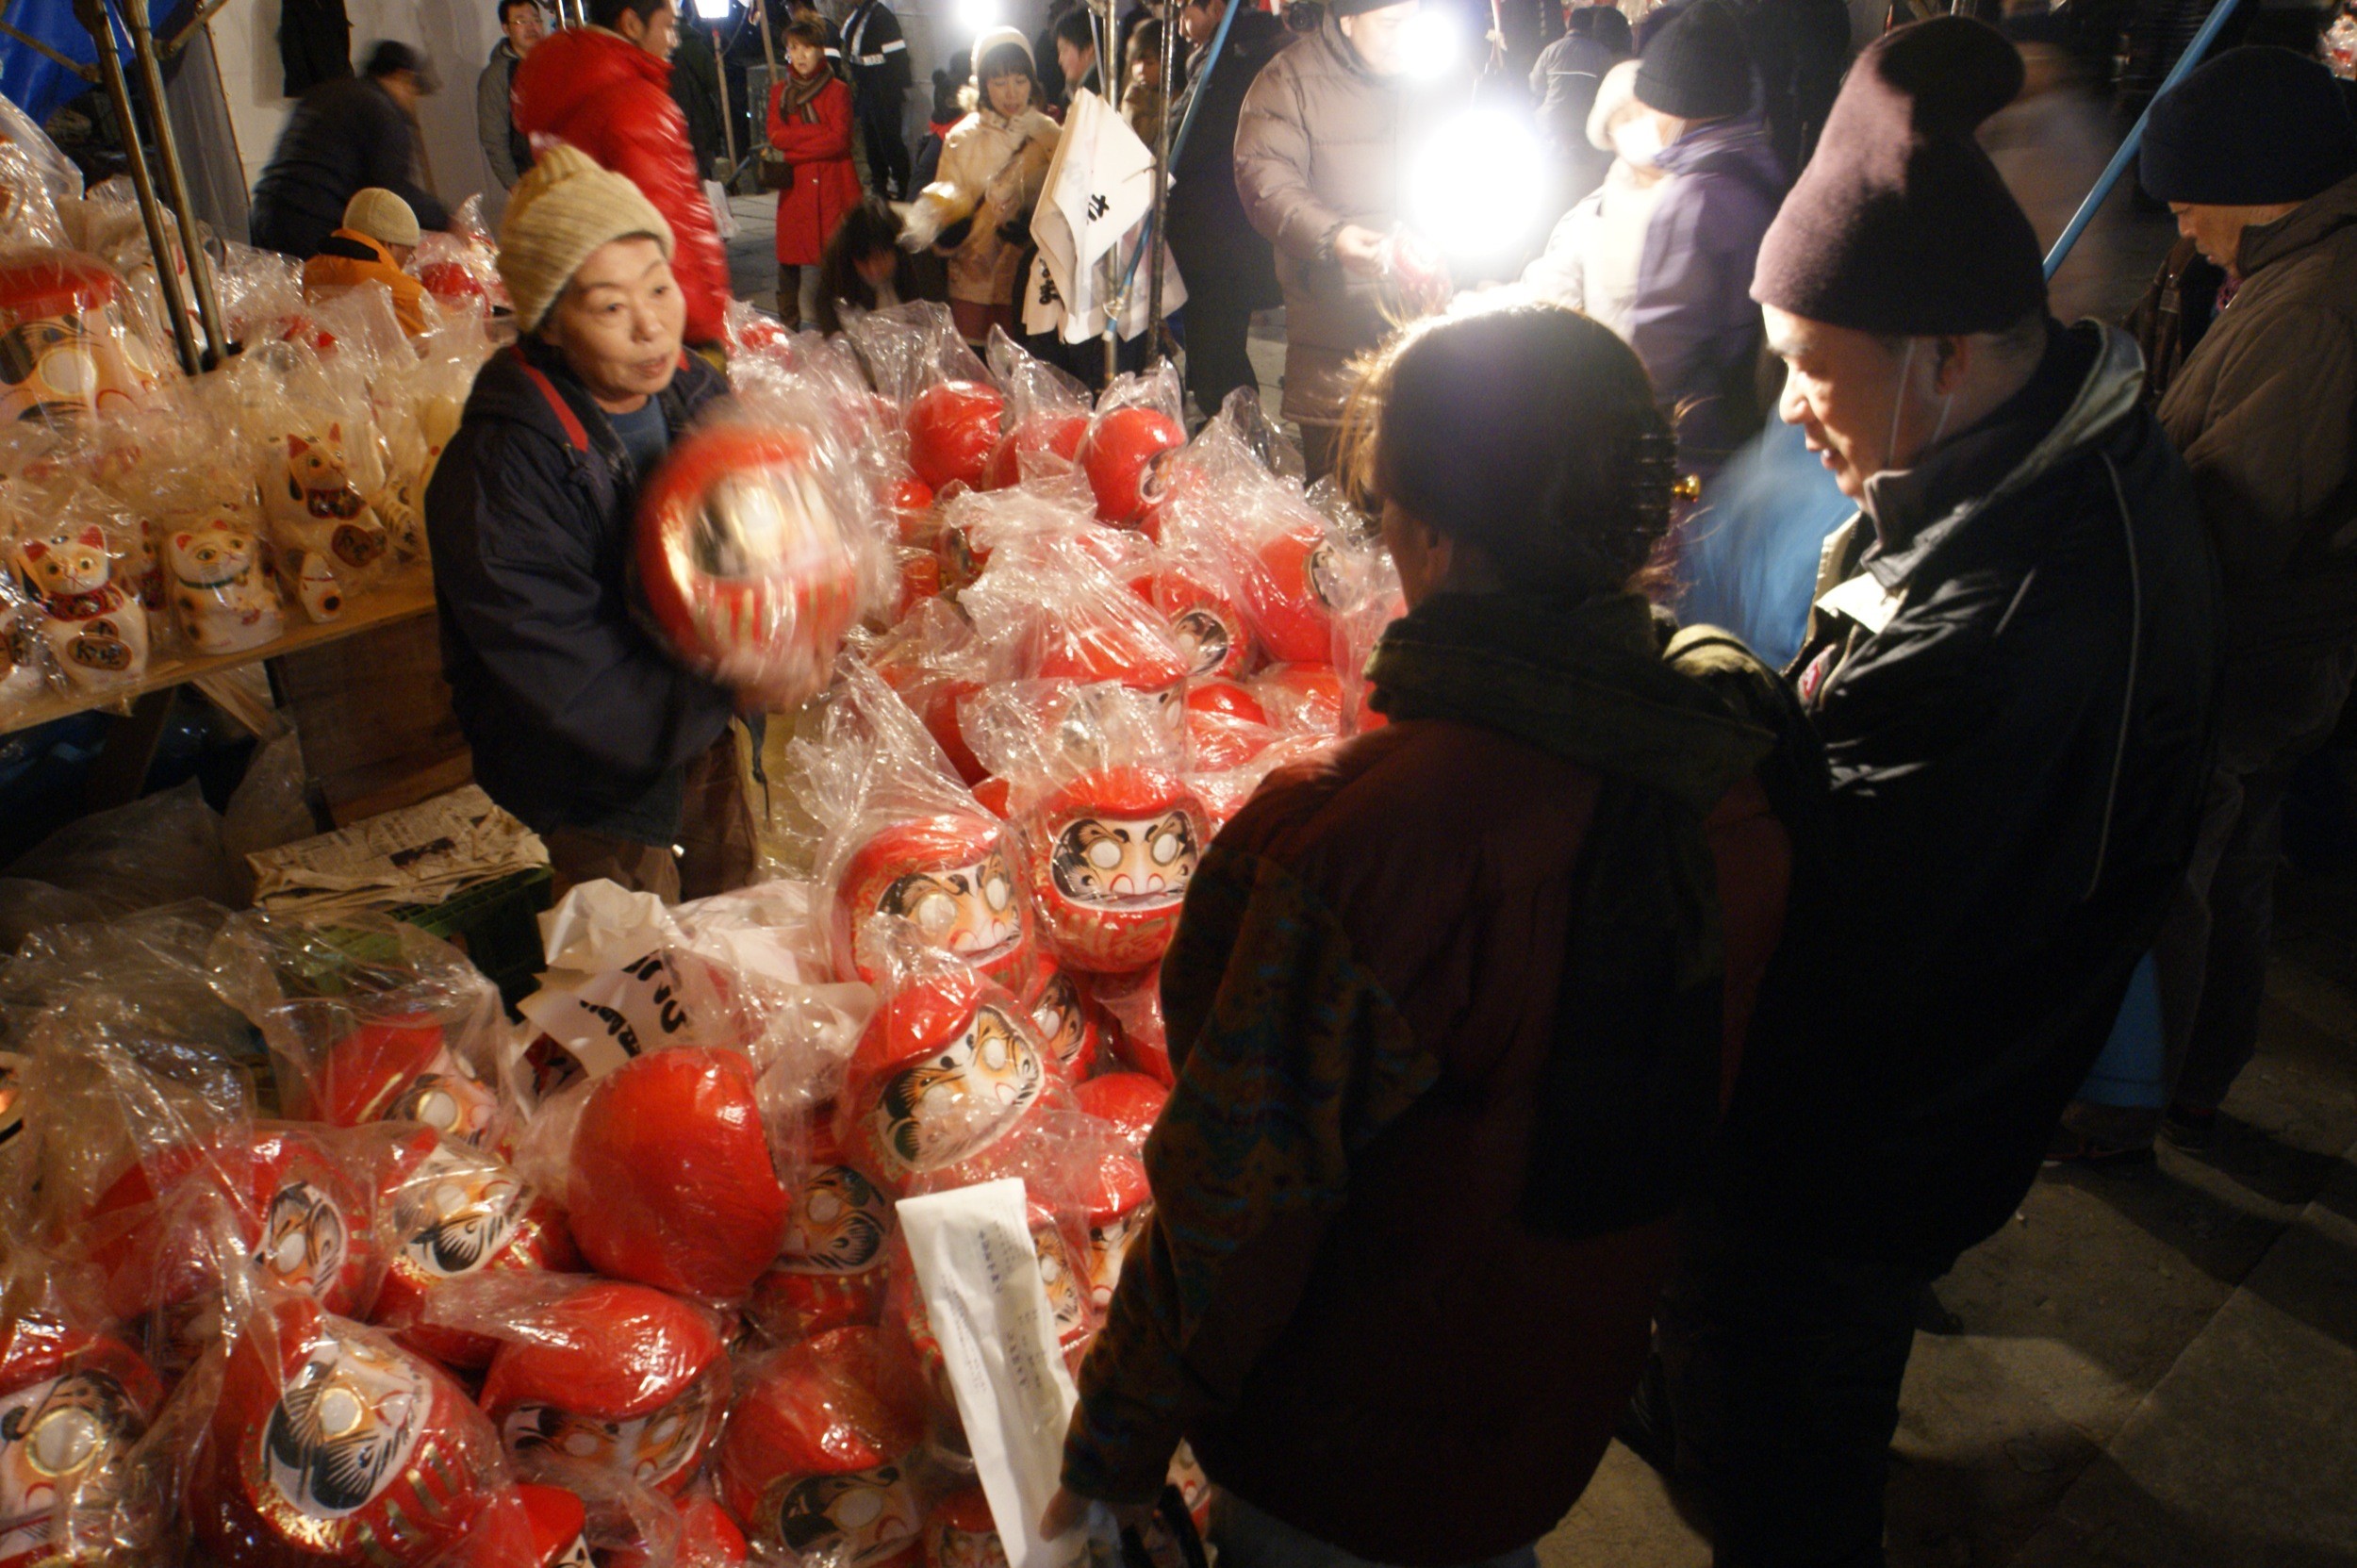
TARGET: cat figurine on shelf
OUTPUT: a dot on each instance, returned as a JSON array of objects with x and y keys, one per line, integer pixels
[
  {"x": 96, "y": 631},
  {"x": 418, "y": 437},
  {"x": 224, "y": 599},
  {"x": 321, "y": 524}
]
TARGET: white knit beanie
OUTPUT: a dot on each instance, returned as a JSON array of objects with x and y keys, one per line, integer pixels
[
  {"x": 564, "y": 207},
  {"x": 382, "y": 215}
]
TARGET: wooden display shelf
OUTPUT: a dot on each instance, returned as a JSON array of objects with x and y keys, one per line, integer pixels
[{"x": 402, "y": 599}]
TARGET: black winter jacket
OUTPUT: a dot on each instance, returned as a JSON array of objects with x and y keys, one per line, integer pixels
[
  {"x": 2011, "y": 674},
  {"x": 342, "y": 138},
  {"x": 1220, "y": 254},
  {"x": 577, "y": 717}
]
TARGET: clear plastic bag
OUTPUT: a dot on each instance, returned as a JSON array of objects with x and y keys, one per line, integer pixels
[
  {"x": 1130, "y": 1103},
  {"x": 748, "y": 547},
  {"x": 160, "y": 850},
  {"x": 1047, "y": 418},
  {"x": 612, "y": 1377},
  {"x": 1055, "y": 606},
  {"x": 904, "y": 837},
  {"x": 830, "y": 1269},
  {"x": 331, "y": 1444},
  {"x": 947, "y": 1065},
  {"x": 454, "y": 1212},
  {"x": 1140, "y": 419},
  {"x": 823, "y": 1459},
  {"x": 1110, "y": 831},
  {"x": 85, "y": 566},
  {"x": 368, "y": 1020}
]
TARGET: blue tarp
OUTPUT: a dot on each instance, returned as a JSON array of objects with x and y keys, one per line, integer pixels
[{"x": 37, "y": 84}]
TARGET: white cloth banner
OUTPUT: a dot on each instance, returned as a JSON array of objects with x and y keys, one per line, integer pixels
[
  {"x": 988, "y": 1306},
  {"x": 1092, "y": 207}
]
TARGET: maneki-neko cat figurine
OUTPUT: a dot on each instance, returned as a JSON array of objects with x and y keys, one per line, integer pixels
[
  {"x": 221, "y": 595},
  {"x": 67, "y": 350},
  {"x": 94, "y": 628},
  {"x": 323, "y": 526}
]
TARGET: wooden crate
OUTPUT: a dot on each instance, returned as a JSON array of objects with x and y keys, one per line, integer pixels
[{"x": 375, "y": 718}]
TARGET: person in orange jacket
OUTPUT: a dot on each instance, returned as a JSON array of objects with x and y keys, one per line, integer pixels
[
  {"x": 809, "y": 122},
  {"x": 605, "y": 89},
  {"x": 377, "y": 238}
]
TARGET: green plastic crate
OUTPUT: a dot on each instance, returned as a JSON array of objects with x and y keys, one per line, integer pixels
[{"x": 495, "y": 924}]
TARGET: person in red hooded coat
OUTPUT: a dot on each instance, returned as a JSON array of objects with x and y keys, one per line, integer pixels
[
  {"x": 605, "y": 89},
  {"x": 809, "y": 122}
]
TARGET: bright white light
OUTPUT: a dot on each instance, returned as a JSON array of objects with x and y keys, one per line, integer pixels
[
  {"x": 1430, "y": 41},
  {"x": 1474, "y": 188},
  {"x": 978, "y": 16},
  {"x": 713, "y": 12}
]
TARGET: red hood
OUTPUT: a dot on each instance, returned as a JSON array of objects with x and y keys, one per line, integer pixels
[{"x": 571, "y": 67}]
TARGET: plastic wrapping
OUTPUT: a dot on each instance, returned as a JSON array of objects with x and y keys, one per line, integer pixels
[
  {"x": 934, "y": 661},
  {"x": 748, "y": 559},
  {"x": 1047, "y": 418},
  {"x": 1111, "y": 830},
  {"x": 68, "y": 347},
  {"x": 85, "y": 613},
  {"x": 169, "y": 1237},
  {"x": 331, "y": 1444},
  {"x": 1048, "y": 612},
  {"x": 671, "y": 1178},
  {"x": 1138, "y": 419},
  {"x": 455, "y": 1212},
  {"x": 821, "y": 1459},
  {"x": 1132, "y": 1103},
  {"x": 953, "y": 431},
  {"x": 1065, "y": 1023},
  {"x": 370, "y": 1020},
  {"x": 1132, "y": 1004},
  {"x": 947, "y": 1065},
  {"x": 830, "y": 1269},
  {"x": 909, "y": 348},
  {"x": 960, "y": 1534},
  {"x": 74, "y": 1399},
  {"x": 902, "y": 837},
  {"x": 612, "y": 1377},
  {"x": 1303, "y": 699}
]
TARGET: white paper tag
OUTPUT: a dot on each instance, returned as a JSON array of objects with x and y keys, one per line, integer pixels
[{"x": 989, "y": 1311}]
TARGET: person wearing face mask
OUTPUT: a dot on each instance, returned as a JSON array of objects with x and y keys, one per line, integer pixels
[
  {"x": 1595, "y": 254},
  {"x": 581, "y": 723},
  {"x": 2010, "y": 669}
]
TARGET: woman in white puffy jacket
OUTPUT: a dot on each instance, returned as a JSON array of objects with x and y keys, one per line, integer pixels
[
  {"x": 977, "y": 210},
  {"x": 1593, "y": 259}
]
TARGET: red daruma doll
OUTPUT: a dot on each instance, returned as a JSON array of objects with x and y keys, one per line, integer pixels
[
  {"x": 747, "y": 565},
  {"x": 331, "y": 1444},
  {"x": 1110, "y": 856},
  {"x": 71, "y": 1402},
  {"x": 815, "y": 1460},
  {"x": 949, "y": 877},
  {"x": 66, "y": 347},
  {"x": 830, "y": 1270},
  {"x": 946, "y": 1068}
]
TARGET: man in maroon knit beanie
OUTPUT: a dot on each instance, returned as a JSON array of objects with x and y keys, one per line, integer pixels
[{"x": 2009, "y": 668}]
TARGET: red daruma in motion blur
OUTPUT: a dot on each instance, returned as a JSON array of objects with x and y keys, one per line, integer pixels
[{"x": 748, "y": 569}]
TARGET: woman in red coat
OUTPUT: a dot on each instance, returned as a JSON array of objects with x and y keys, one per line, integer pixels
[{"x": 809, "y": 122}]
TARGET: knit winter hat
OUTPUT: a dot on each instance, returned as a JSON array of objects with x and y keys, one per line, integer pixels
[
  {"x": 1900, "y": 225},
  {"x": 2253, "y": 128},
  {"x": 998, "y": 38},
  {"x": 564, "y": 207},
  {"x": 1697, "y": 67},
  {"x": 381, "y": 215}
]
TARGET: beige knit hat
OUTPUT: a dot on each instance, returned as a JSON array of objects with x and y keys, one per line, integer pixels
[
  {"x": 564, "y": 207},
  {"x": 382, "y": 216}
]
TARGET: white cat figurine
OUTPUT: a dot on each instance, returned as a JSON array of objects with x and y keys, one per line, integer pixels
[
  {"x": 96, "y": 631},
  {"x": 321, "y": 523},
  {"x": 224, "y": 601}
]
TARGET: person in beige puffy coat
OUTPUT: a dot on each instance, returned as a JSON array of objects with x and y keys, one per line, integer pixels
[
  {"x": 979, "y": 206},
  {"x": 1319, "y": 149}
]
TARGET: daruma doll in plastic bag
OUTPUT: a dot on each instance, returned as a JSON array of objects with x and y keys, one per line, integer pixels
[
  {"x": 66, "y": 347},
  {"x": 72, "y": 1402},
  {"x": 455, "y": 1212},
  {"x": 947, "y": 1065},
  {"x": 1111, "y": 853},
  {"x": 949, "y": 877},
  {"x": 747, "y": 561},
  {"x": 332, "y": 1445},
  {"x": 815, "y": 1460},
  {"x": 617, "y": 1378},
  {"x": 830, "y": 1269}
]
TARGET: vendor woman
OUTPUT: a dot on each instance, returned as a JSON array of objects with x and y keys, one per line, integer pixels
[{"x": 622, "y": 761}]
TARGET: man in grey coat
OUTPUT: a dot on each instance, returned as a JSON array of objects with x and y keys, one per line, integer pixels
[{"x": 506, "y": 152}]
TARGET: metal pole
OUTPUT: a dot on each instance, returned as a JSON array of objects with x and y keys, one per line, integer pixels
[
  {"x": 177, "y": 182},
  {"x": 91, "y": 14},
  {"x": 2112, "y": 171},
  {"x": 1101, "y": 18},
  {"x": 728, "y": 119},
  {"x": 1157, "y": 339}
]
